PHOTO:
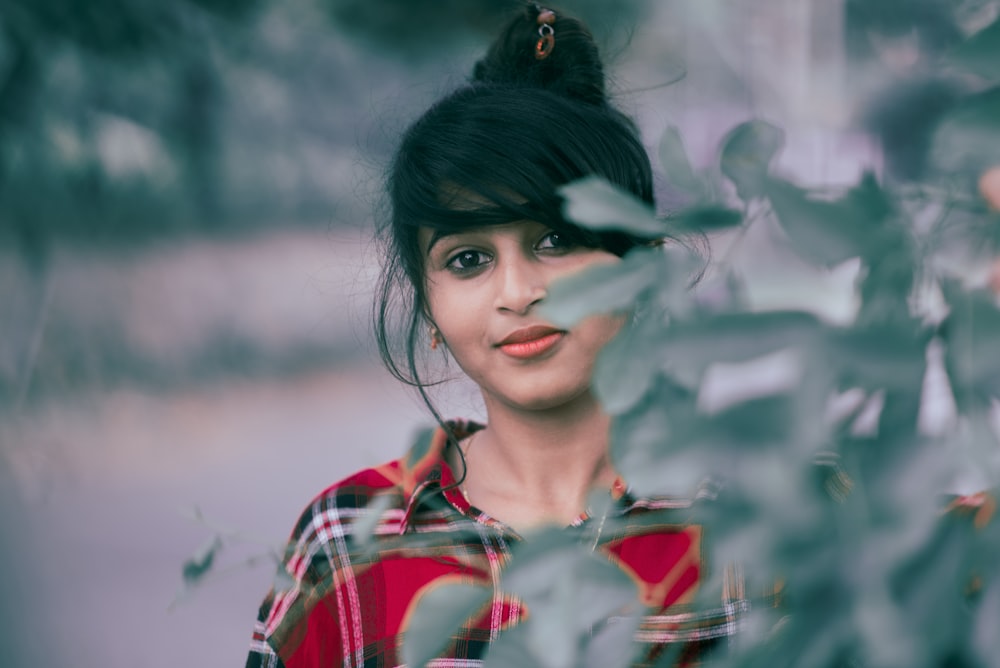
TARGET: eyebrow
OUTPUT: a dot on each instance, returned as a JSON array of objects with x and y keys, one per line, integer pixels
[{"x": 436, "y": 236}]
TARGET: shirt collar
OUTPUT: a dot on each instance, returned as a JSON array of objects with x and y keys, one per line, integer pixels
[{"x": 425, "y": 467}]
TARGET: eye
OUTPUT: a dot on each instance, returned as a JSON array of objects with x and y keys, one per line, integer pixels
[
  {"x": 467, "y": 260},
  {"x": 555, "y": 241}
]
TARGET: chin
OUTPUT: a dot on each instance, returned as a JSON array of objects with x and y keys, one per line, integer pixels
[{"x": 539, "y": 399}]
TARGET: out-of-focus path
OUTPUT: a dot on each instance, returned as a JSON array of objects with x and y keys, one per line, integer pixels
[
  {"x": 113, "y": 484},
  {"x": 107, "y": 477}
]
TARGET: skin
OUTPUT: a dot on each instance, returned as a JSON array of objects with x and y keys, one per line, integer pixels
[{"x": 546, "y": 444}]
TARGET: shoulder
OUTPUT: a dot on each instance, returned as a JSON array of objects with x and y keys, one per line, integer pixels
[
  {"x": 371, "y": 501},
  {"x": 332, "y": 514},
  {"x": 321, "y": 546},
  {"x": 355, "y": 491}
]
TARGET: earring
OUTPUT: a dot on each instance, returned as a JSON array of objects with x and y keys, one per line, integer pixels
[{"x": 435, "y": 338}]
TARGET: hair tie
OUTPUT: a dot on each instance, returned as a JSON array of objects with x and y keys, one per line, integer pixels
[{"x": 546, "y": 33}]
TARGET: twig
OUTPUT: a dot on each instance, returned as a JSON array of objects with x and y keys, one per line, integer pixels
[{"x": 35, "y": 344}]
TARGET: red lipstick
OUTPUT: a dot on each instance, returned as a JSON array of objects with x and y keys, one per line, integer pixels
[{"x": 530, "y": 342}]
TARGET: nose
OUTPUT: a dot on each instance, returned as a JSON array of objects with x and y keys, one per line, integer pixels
[{"x": 521, "y": 285}]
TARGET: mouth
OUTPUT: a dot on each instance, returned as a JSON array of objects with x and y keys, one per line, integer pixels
[{"x": 530, "y": 341}]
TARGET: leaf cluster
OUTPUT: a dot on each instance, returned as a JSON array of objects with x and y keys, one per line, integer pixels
[{"x": 830, "y": 483}]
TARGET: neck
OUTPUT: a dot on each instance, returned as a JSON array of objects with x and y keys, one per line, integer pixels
[{"x": 544, "y": 461}]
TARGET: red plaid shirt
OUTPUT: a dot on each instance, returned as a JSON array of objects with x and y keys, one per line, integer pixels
[{"x": 348, "y": 604}]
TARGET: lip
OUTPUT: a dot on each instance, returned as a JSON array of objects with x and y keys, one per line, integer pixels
[{"x": 531, "y": 341}]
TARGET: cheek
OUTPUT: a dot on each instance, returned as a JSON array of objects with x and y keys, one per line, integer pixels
[
  {"x": 436, "y": 304},
  {"x": 454, "y": 313},
  {"x": 603, "y": 328}
]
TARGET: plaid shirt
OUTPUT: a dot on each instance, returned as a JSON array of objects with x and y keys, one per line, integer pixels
[{"x": 349, "y": 596}]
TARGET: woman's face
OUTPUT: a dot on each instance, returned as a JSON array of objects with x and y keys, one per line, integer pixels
[{"x": 483, "y": 288}]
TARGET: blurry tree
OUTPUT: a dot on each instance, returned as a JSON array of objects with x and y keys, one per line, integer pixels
[
  {"x": 445, "y": 23},
  {"x": 94, "y": 94},
  {"x": 117, "y": 116},
  {"x": 108, "y": 119},
  {"x": 126, "y": 123},
  {"x": 899, "y": 53}
]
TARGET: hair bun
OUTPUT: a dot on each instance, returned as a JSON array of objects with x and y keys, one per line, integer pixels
[{"x": 572, "y": 67}]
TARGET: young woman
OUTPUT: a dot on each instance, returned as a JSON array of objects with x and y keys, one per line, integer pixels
[{"x": 476, "y": 237}]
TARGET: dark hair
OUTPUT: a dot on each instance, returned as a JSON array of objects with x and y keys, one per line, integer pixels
[{"x": 495, "y": 151}]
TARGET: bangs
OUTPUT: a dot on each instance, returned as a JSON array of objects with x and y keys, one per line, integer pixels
[
  {"x": 464, "y": 211},
  {"x": 489, "y": 156}
]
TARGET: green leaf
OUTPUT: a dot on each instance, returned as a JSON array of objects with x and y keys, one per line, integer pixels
[
  {"x": 690, "y": 347},
  {"x": 675, "y": 162},
  {"x": 201, "y": 562},
  {"x": 622, "y": 373},
  {"x": 747, "y": 152},
  {"x": 972, "y": 336},
  {"x": 763, "y": 421},
  {"x": 596, "y": 204},
  {"x": 641, "y": 452},
  {"x": 512, "y": 648},
  {"x": 980, "y": 54},
  {"x": 879, "y": 356},
  {"x": 973, "y": 453},
  {"x": 567, "y": 589},
  {"x": 703, "y": 219},
  {"x": 441, "y": 610},
  {"x": 363, "y": 529},
  {"x": 543, "y": 566},
  {"x": 553, "y": 635},
  {"x": 648, "y": 443},
  {"x": 609, "y": 645},
  {"x": 968, "y": 139},
  {"x": 421, "y": 447},
  {"x": 830, "y": 232},
  {"x": 816, "y": 229},
  {"x": 283, "y": 580},
  {"x": 607, "y": 288},
  {"x": 887, "y": 285},
  {"x": 987, "y": 621},
  {"x": 868, "y": 201}
]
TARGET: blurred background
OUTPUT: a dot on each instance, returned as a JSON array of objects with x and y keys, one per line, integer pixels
[{"x": 188, "y": 196}]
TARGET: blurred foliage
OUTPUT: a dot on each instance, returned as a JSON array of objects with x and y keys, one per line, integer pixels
[
  {"x": 117, "y": 28},
  {"x": 390, "y": 23},
  {"x": 912, "y": 64},
  {"x": 130, "y": 121},
  {"x": 828, "y": 478},
  {"x": 108, "y": 116}
]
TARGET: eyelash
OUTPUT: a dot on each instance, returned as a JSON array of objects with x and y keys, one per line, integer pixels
[
  {"x": 453, "y": 266},
  {"x": 562, "y": 246}
]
